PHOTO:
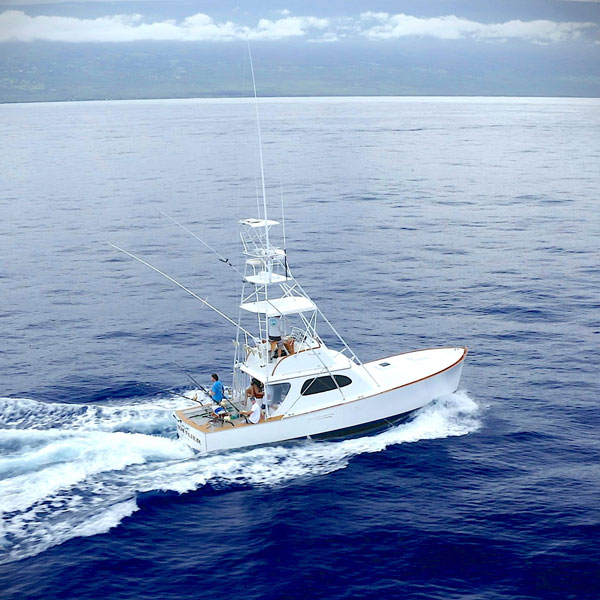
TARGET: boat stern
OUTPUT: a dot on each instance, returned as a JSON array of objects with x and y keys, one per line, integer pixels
[{"x": 189, "y": 432}]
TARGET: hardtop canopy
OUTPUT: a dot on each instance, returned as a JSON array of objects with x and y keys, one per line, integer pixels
[{"x": 288, "y": 305}]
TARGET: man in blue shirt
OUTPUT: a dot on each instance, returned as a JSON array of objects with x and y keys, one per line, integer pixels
[{"x": 217, "y": 391}]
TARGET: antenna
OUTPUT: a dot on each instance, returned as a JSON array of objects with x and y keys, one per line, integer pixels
[
  {"x": 282, "y": 211},
  {"x": 260, "y": 152},
  {"x": 257, "y": 198},
  {"x": 283, "y": 227}
]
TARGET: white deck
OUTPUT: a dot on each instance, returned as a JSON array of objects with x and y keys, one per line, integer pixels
[{"x": 402, "y": 369}]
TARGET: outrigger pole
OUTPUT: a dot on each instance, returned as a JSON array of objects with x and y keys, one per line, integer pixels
[
  {"x": 220, "y": 256},
  {"x": 183, "y": 288}
]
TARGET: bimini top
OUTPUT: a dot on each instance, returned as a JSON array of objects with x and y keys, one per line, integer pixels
[
  {"x": 258, "y": 222},
  {"x": 288, "y": 305}
]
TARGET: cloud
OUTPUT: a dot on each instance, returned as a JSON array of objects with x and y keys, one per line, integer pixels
[
  {"x": 327, "y": 38},
  {"x": 286, "y": 27},
  {"x": 385, "y": 26},
  {"x": 17, "y": 26}
]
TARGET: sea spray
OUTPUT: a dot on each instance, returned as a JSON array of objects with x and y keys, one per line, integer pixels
[{"x": 81, "y": 476}]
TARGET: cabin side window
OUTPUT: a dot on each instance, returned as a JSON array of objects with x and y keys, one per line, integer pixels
[
  {"x": 276, "y": 393},
  {"x": 319, "y": 385}
]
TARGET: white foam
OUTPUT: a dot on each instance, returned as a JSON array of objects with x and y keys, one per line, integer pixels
[
  {"x": 140, "y": 417},
  {"x": 105, "y": 520},
  {"x": 64, "y": 463},
  {"x": 81, "y": 475},
  {"x": 30, "y": 534}
]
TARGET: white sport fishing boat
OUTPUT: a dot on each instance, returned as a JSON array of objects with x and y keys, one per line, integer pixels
[
  {"x": 307, "y": 390},
  {"x": 311, "y": 390}
]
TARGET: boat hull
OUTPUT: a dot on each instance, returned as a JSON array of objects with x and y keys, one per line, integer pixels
[{"x": 349, "y": 418}]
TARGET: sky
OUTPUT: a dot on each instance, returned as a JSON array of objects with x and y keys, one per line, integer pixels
[{"x": 448, "y": 46}]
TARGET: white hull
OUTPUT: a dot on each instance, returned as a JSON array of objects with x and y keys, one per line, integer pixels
[{"x": 342, "y": 417}]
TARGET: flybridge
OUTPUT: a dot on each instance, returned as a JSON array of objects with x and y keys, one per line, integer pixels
[
  {"x": 275, "y": 292},
  {"x": 277, "y": 308}
]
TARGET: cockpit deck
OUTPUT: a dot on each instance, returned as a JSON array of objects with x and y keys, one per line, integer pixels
[{"x": 201, "y": 419}]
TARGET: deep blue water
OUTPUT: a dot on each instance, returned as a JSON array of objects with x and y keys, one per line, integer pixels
[{"x": 413, "y": 223}]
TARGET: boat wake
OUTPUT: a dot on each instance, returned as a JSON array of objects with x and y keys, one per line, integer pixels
[{"x": 73, "y": 470}]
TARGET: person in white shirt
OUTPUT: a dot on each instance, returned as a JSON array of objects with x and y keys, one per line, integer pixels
[{"x": 253, "y": 414}]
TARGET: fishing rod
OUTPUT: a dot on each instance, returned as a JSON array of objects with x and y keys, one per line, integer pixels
[
  {"x": 158, "y": 391},
  {"x": 220, "y": 256},
  {"x": 184, "y": 288},
  {"x": 201, "y": 387}
]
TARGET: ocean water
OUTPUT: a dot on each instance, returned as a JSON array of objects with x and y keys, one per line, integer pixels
[{"x": 413, "y": 223}]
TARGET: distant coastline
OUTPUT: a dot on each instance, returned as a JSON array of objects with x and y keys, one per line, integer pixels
[
  {"x": 47, "y": 72},
  {"x": 323, "y": 97}
]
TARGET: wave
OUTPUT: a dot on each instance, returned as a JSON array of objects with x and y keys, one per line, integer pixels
[
  {"x": 140, "y": 416},
  {"x": 75, "y": 470}
]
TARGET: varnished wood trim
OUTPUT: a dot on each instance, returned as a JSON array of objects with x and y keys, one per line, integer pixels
[
  {"x": 191, "y": 423},
  {"x": 277, "y": 418},
  {"x": 295, "y": 353}
]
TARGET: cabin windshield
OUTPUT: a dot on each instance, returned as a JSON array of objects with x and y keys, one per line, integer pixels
[{"x": 276, "y": 394}]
